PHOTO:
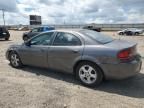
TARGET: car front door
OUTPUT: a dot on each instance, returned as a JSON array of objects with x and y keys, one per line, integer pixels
[
  {"x": 64, "y": 51},
  {"x": 37, "y": 53}
]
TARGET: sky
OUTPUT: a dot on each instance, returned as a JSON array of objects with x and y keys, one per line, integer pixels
[{"x": 73, "y": 11}]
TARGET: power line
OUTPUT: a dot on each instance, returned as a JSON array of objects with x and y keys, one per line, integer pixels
[{"x": 3, "y": 14}]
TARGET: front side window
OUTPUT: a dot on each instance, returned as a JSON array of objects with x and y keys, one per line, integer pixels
[
  {"x": 42, "y": 39},
  {"x": 66, "y": 39}
]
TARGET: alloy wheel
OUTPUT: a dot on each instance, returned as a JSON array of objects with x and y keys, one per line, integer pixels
[
  {"x": 87, "y": 74},
  {"x": 15, "y": 61}
]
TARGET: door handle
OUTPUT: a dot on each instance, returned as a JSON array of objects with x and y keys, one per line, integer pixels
[{"x": 75, "y": 51}]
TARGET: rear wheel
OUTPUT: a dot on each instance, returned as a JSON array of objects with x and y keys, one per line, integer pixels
[
  {"x": 6, "y": 38},
  {"x": 136, "y": 33},
  {"x": 89, "y": 74},
  {"x": 15, "y": 60}
]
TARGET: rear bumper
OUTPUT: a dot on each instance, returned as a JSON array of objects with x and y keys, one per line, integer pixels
[{"x": 122, "y": 70}]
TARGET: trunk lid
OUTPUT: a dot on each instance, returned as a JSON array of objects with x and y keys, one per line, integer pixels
[
  {"x": 125, "y": 50},
  {"x": 121, "y": 44}
]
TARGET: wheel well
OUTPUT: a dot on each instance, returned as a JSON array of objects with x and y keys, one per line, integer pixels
[{"x": 75, "y": 66}]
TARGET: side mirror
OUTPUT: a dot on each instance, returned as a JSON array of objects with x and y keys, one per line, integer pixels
[
  {"x": 28, "y": 43},
  {"x": 30, "y": 30}
]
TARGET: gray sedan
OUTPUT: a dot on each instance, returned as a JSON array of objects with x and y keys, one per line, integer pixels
[{"x": 90, "y": 55}]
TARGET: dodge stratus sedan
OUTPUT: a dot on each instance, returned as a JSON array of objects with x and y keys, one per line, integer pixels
[{"x": 89, "y": 55}]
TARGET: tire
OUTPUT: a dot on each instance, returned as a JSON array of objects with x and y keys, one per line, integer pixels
[
  {"x": 121, "y": 33},
  {"x": 129, "y": 33},
  {"x": 6, "y": 39},
  {"x": 25, "y": 38},
  {"x": 89, "y": 74},
  {"x": 15, "y": 60},
  {"x": 136, "y": 33}
]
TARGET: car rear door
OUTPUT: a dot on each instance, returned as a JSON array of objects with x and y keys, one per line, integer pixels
[
  {"x": 65, "y": 50},
  {"x": 37, "y": 53}
]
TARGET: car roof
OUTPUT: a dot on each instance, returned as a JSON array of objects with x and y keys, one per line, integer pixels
[{"x": 66, "y": 30}]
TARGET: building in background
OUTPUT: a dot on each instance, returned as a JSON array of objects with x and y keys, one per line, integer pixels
[{"x": 35, "y": 20}]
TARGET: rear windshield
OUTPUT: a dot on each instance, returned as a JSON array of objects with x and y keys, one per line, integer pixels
[
  {"x": 99, "y": 37},
  {"x": 1, "y": 30}
]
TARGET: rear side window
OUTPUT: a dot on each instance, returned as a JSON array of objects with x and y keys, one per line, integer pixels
[
  {"x": 41, "y": 29},
  {"x": 46, "y": 28},
  {"x": 66, "y": 39},
  {"x": 3, "y": 30}
]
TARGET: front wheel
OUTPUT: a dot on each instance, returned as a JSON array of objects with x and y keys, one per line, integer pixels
[
  {"x": 6, "y": 39},
  {"x": 15, "y": 60},
  {"x": 89, "y": 74}
]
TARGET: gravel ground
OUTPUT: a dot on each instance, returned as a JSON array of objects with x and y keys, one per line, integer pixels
[{"x": 39, "y": 88}]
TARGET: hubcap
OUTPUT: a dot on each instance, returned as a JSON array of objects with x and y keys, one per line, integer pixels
[
  {"x": 15, "y": 60},
  {"x": 88, "y": 74}
]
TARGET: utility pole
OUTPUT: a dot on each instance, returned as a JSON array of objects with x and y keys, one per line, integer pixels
[{"x": 3, "y": 14}]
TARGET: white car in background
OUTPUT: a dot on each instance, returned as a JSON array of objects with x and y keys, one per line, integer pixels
[{"x": 131, "y": 31}]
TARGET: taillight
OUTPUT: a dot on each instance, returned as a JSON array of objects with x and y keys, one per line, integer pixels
[{"x": 125, "y": 54}]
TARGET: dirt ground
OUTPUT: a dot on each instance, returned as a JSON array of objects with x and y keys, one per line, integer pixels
[{"x": 32, "y": 87}]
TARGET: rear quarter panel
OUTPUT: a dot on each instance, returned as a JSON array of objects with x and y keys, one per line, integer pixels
[{"x": 100, "y": 54}]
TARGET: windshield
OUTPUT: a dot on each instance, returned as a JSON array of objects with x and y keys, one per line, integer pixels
[{"x": 99, "y": 37}]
